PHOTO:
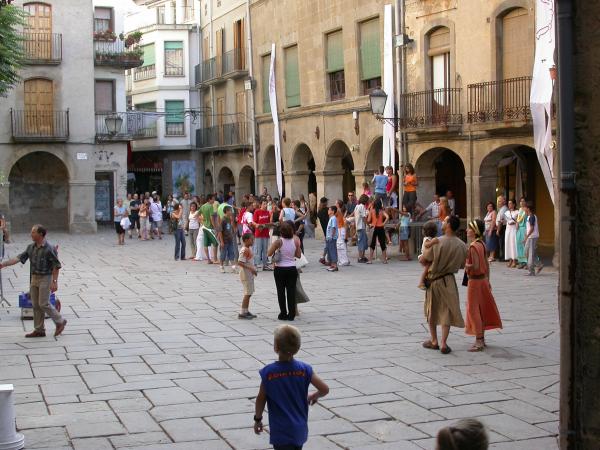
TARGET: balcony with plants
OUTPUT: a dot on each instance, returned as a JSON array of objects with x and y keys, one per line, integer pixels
[{"x": 117, "y": 51}]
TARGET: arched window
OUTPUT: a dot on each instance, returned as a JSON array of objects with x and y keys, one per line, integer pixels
[{"x": 517, "y": 44}]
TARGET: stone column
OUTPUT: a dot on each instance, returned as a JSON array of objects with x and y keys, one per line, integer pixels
[
  {"x": 361, "y": 176},
  {"x": 330, "y": 182},
  {"x": 269, "y": 180},
  {"x": 296, "y": 183},
  {"x": 82, "y": 200}
]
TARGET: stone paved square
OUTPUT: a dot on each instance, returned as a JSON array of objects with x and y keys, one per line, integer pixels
[{"x": 154, "y": 356}]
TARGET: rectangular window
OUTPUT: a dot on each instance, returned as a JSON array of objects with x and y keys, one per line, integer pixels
[
  {"x": 173, "y": 59},
  {"x": 147, "y": 123},
  {"x": 102, "y": 19},
  {"x": 149, "y": 55},
  {"x": 335, "y": 65},
  {"x": 265, "y": 69},
  {"x": 174, "y": 120},
  {"x": 292, "y": 77},
  {"x": 104, "y": 96},
  {"x": 370, "y": 55}
]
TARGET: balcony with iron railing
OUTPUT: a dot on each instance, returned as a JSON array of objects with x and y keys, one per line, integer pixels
[
  {"x": 39, "y": 125},
  {"x": 500, "y": 101},
  {"x": 42, "y": 48},
  {"x": 228, "y": 135},
  {"x": 220, "y": 68},
  {"x": 431, "y": 109},
  {"x": 133, "y": 125},
  {"x": 144, "y": 73},
  {"x": 117, "y": 54}
]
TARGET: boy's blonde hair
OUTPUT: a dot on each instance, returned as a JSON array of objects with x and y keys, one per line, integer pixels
[{"x": 287, "y": 339}]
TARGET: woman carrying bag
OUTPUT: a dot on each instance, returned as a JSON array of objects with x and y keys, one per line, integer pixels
[{"x": 284, "y": 251}]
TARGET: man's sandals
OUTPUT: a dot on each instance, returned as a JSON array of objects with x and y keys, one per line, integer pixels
[{"x": 429, "y": 345}]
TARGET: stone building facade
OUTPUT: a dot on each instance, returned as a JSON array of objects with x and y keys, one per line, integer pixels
[{"x": 50, "y": 151}]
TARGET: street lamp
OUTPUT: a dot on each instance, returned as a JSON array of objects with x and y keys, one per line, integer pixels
[
  {"x": 378, "y": 98},
  {"x": 113, "y": 124}
]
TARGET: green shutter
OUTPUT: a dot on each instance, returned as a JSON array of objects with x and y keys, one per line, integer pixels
[
  {"x": 149, "y": 58},
  {"x": 370, "y": 55},
  {"x": 266, "y": 67},
  {"x": 335, "y": 52},
  {"x": 150, "y": 106},
  {"x": 171, "y": 45},
  {"x": 174, "y": 110},
  {"x": 292, "y": 77}
]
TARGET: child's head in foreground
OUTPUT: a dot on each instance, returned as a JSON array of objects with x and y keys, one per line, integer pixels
[
  {"x": 466, "y": 434},
  {"x": 286, "y": 341}
]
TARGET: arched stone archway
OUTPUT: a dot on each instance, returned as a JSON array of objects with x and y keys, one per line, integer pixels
[
  {"x": 514, "y": 171},
  {"x": 338, "y": 177},
  {"x": 375, "y": 157},
  {"x": 267, "y": 176},
  {"x": 302, "y": 177},
  {"x": 440, "y": 170},
  {"x": 39, "y": 192},
  {"x": 225, "y": 180},
  {"x": 245, "y": 182}
]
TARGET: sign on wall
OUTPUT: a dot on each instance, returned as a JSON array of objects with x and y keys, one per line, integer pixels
[{"x": 184, "y": 177}]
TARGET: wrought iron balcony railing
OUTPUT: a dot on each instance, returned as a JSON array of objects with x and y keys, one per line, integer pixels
[
  {"x": 500, "y": 101},
  {"x": 218, "y": 68},
  {"x": 42, "y": 48},
  {"x": 115, "y": 54},
  {"x": 134, "y": 125},
  {"x": 39, "y": 125},
  {"x": 433, "y": 108},
  {"x": 231, "y": 134}
]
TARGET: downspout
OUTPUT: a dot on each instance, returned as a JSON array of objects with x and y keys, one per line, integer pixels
[
  {"x": 201, "y": 112},
  {"x": 569, "y": 410},
  {"x": 212, "y": 94},
  {"x": 398, "y": 30},
  {"x": 251, "y": 98}
]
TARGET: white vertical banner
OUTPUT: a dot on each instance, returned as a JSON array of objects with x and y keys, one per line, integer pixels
[
  {"x": 542, "y": 89},
  {"x": 389, "y": 134},
  {"x": 276, "y": 138}
]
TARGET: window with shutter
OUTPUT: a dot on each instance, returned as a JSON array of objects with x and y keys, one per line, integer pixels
[
  {"x": 104, "y": 96},
  {"x": 102, "y": 19},
  {"x": 370, "y": 55},
  {"x": 174, "y": 120},
  {"x": 149, "y": 55},
  {"x": 173, "y": 59},
  {"x": 335, "y": 65},
  {"x": 292, "y": 77},
  {"x": 265, "y": 69}
]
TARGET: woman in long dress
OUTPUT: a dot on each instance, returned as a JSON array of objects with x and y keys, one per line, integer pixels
[
  {"x": 510, "y": 235},
  {"x": 482, "y": 312},
  {"x": 521, "y": 232}
]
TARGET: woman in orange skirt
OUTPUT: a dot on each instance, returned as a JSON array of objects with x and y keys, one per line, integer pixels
[{"x": 482, "y": 312}]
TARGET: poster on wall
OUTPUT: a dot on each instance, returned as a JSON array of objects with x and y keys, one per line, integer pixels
[{"x": 183, "y": 176}]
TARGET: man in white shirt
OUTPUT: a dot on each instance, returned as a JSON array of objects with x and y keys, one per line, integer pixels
[
  {"x": 360, "y": 215},
  {"x": 156, "y": 212},
  {"x": 501, "y": 225}
]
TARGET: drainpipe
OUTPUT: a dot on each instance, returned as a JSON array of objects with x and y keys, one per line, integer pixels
[
  {"x": 569, "y": 408},
  {"x": 251, "y": 98},
  {"x": 398, "y": 29}
]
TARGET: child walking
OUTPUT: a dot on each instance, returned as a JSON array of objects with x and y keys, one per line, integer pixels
[
  {"x": 284, "y": 388},
  {"x": 227, "y": 240},
  {"x": 429, "y": 232},
  {"x": 247, "y": 274},
  {"x": 404, "y": 233}
]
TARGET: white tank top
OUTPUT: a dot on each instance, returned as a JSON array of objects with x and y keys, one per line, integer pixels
[{"x": 287, "y": 250}]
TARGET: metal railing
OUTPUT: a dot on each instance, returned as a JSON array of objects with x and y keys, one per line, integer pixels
[
  {"x": 115, "y": 54},
  {"x": 42, "y": 48},
  {"x": 144, "y": 73},
  {"x": 433, "y": 108},
  {"x": 39, "y": 126},
  {"x": 135, "y": 125},
  {"x": 219, "y": 66},
  {"x": 498, "y": 101},
  {"x": 223, "y": 135}
]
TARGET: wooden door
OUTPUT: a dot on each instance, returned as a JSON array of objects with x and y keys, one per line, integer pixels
[
  {"x": 39, "y": 30},
  {"x": 240, "y": 109},
  {"x": 220, "y": 116},
  {"x": 39, "y": 106},
  {"x": 238, "y": 45},
  {"x": 219, "y": 53}
]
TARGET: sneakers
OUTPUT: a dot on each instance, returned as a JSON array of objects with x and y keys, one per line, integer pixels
[
  {"x": 60, "y": 327},
  {"x": 246, "y": 315},
  {"x": 35, "y": 334}
]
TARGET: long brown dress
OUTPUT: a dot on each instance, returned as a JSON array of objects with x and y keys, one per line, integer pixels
[
  {"x": 482, "y": 312},
  {"x": 442, "y": 306}
]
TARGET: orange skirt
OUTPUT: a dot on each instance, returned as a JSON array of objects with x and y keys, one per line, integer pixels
[{"x": 482, "y": 312}]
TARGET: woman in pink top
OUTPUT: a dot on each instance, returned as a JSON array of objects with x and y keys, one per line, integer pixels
[{"x": 285, "y": 273}]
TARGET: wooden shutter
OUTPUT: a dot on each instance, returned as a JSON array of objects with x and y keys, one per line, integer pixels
[
  {"x": 439, "y": 41},
  {"x": 370, "y": 55},
  {"x": 242, "y": 44},
  {"x": 220, "y": 117},
  {"x": 266, "y": 65},
  {"x": 39, "y": 106},
  {"x": 39, "y": 29},
  {"x": 238, "y": 44},
  {"x": 240, "y": 109},
  {"x": 149, "y": 55},
  {"x": 174, "y": 110},
  {"x": 219, "y": 53},
  {"x": 292, "y": 77},
  {"x": 335, "y": 52},
  {"x": 205, "y": 49},
  {"x": 104, "y": 96},
  {"x": 517, "y": 44}
]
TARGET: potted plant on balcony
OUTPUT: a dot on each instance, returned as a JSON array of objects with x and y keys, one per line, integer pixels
[
  {"x": 131, "y": 39},
  {"x": 106, "y": 35}
]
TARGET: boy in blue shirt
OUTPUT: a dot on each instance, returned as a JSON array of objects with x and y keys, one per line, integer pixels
[{"x": 284, "y": 388}]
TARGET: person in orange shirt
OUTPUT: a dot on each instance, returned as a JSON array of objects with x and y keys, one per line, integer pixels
[
  {"x": 377, "y": 219},
  {"x": 410, "y": 188}
]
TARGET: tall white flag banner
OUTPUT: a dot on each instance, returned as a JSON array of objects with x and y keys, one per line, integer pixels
[
  {"x": 541, "y": 88},
  {"x": 389, "y": 135},
  {"x": 276, "y": 139}
]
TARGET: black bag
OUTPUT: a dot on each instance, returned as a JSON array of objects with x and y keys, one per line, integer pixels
[{"x": 465, "y": 281}]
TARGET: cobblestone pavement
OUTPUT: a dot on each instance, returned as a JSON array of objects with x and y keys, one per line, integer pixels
[{"x": 154, "y": 356}]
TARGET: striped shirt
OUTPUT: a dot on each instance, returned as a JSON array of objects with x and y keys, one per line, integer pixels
[{"x": 43, "y": 258}]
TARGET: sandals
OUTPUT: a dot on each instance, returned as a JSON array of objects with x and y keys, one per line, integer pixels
[
  {"x": 478, "y": 346},
  {"x": 445, "y": 350},
  {"x": 429, "y": 345}
]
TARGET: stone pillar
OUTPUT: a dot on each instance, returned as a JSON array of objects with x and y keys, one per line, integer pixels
[
  {"x": 486, "y": 192},
  {"x": 330, "y": 182},
  {"x": 296, "y": 183},
  {"x": 425, "y": 189},
  {"x": 82, "y": 200},
  {"x": 362, "y": 176},
  {"x": 269, "y": 180}
]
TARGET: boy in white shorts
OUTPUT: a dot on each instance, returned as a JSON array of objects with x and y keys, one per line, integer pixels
[{"x": 247, "y": 274}]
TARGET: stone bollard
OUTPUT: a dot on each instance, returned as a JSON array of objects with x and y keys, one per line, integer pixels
[{"x": 9, "y": 438}]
